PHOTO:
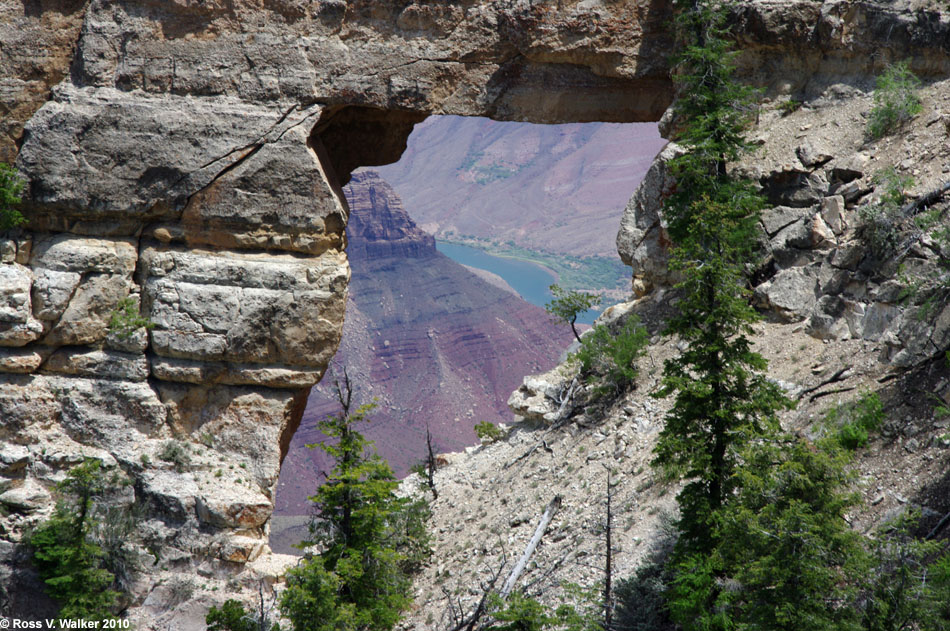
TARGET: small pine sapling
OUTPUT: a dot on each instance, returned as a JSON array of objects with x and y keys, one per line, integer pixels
[
  {"x": 567, "y": 305},
  {"x": 125, "y": 319},
  {"x": 488, "y": 432}
]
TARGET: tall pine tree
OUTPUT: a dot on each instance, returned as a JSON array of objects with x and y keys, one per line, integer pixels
[{"x": 722, "y": 400}]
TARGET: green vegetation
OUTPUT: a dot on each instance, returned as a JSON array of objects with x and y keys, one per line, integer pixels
[
  {"x": 486, "y": 173},
  {"x": 232, "y": 616},
  {"x": 125, "y": 319},
  {"x": 851, "y": 424},
  {"x": 928, "y": 286},
  {"x": 11, "y": 187},
  {"x": 369, "y": 538},
  {"x": 523, "y": 613},
  {"x": 895, "y": 100},
  {"x": 174, "y": 452},
  {"x": 880, "y": 222},
  {"x": 762, "y": 541},
  {"x": 567, "y": 305},
  {"x": 488, "y": 432},
  {"x": 722, "y": 400},
  {"x": 641, "y": 598},
  {"x": 70, "y": 562},
  {"x": 904, "y": 589},
  {"x": 609, "y": 359},
  {"x": 789, "y": 106},
  {"x": 786, "y": 558},
  {"x": 784, "y": 545}
]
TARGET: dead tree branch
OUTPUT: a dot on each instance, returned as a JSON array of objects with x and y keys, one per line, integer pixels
[
  {"x": 936, "y": 529},
  {"x": 532, "y": 545},
  {"x": 925, "y": 200},
  {"x": 430, "y": 464},
  {"x": 818, "y": 395},
  {"x": 468, "y": 622},
  {"x": 835, "y": 378}
]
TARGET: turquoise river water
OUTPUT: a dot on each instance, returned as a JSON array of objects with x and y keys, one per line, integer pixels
[{"x": 530, "y": 280}]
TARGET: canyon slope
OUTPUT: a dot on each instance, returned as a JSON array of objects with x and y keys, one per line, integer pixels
[
  {"x": 434, "y": 344},
  {"x": 842, "y": 317},
  {"x": 553, "y": 188}
]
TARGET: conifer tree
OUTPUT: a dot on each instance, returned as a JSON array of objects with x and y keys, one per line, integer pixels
[
  {"x": 69, "y": 562},
  {"x": 786, "y": 542},
  {"x": 567, "y": 305},
  {"x": 367, "y": 536},
  {"x": 722, "y": 400},
  {"x": 908, "y": 585}
]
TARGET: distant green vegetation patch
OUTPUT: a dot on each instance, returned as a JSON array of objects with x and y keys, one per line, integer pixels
[
  {"x": 486, "y": 173},
  {"x": 492, "y": 173},
  {"x": 591, "y": 273}
]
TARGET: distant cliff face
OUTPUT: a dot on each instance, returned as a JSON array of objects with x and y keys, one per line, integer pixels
[
  {"x": 432, "y": 342},
  {"x": 379, "y": 226},
  {"x": 190, "y": 156},
  {"x": 505, "y": 181}
]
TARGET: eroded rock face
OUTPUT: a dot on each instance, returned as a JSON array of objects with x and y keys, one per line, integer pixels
[
  {"x": 818, "y": 170},
  {"x": 185, "y": 161}
]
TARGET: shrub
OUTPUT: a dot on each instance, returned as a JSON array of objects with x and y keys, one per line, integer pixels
[
  {"x": 609, "y": 360},
  {"x": 488, "y": 432},
  {"x": 641, "y": 598},
  {"x": 895, "y": 100},
  {"x": 903, "y": 590},
  {"x": 789, "y": 106},
  {"x": 852, "y": 423},
  {"x": 520, "y": 613},
  {"x": 880, "y": 222},
  {"x": 125, "y": 318},
  {"x": 940, "y": 577},
  {"x": 524, "y": 613},
  {"x": 11, "y": 187},
  {"x": 232, "y": 616},
  {"x": 174, "y": 452}
]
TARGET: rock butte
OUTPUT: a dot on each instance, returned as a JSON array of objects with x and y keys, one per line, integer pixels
[{"x": 190, "y": 155}]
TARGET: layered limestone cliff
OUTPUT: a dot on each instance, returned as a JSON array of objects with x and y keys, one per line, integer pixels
[
  {"x": 379, "y": 227},
  {"x": 189, "y": 156}
]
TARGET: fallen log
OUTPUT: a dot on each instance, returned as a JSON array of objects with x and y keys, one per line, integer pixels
[{"x": 532, "y": 545}]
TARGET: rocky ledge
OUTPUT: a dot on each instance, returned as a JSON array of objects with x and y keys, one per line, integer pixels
[{"x": 817, "y": 168}]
